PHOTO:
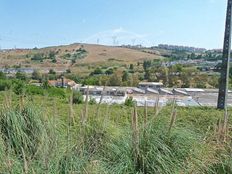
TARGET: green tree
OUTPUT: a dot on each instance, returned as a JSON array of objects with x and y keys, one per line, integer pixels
[
  {"x": 147, "y": 64},
  {"x": 52, "y": 55},
  {"x": 125, "y": 76},
  {"x": 115, "y": 80},
  {"x": 109, "y": 71},
  {"x": 52, "y": 71},
  {"x": 97, "y": 71},
  {"x": 36, "y": 75},
  {"x": 68, "y": 71},
  {"x": 38, "y": 57}
]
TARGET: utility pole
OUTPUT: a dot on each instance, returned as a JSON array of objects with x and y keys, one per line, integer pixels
[{"x": 224, "y": 80}]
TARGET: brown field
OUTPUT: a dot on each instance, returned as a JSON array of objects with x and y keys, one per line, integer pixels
[{"x": 97, "y": 55}]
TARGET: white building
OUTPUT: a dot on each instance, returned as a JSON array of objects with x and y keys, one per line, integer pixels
[{"x": 151, "y": 85}]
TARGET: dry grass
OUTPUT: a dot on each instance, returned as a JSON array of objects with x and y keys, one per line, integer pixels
[{"x": 97, "y": 54}]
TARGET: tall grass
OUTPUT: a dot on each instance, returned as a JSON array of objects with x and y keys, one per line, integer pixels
[{"x": 117, "y": 140}]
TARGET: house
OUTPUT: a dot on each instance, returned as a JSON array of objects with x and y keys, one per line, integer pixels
[{"x": 152, "y": 85}]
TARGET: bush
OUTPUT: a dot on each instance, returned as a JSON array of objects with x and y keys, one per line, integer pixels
[
  {"x": 38, "y": 57},
  {"x": 52, "y": 71},
  {"x": 2, "y": 75},
  {"x": 19, "y": 87},
  {"x": 92, "y": 101},
  {"x": 109, "y": 71},
  {"x": 97, "y": 71},
  {"x": 4, "y": 84},
  {"x": 34, "y": 90},
  {"x": 77, "y": 97},
  {"x": 130, "y": 102},
  {"x": 21, "y": 76},
  {"x": 56, "y": 92}
]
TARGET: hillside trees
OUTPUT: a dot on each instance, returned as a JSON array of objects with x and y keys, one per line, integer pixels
[
  {"x": 36, "y": 75},
  {"x": 115, "y": 80}
]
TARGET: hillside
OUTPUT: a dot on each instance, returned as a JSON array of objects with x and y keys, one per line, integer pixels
[{"x": 71, "y": 56}]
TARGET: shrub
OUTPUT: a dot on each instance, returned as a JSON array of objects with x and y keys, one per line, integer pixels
[
  {"x": 21, "y": 76},
  {"x": 130, "y": 102},
  {"x": 38, "y": 57},
  {"x": 34, "y": 90},
  {"x": 97, "y": 71},
  {"x": 56, "y": 92},
  {"x": 19, "y": 87},
  {"x": 77, "y": 97},
  {"x": 109, "y": 71},
  {"x": 4, "y": 84},
  {"x": 2, "y": 75},
  {"x": 52, "y": 71},
  {"x": 92, "y": 101}
]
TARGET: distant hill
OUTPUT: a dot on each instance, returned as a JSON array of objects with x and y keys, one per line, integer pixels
[{"x": 71, "y": 56}]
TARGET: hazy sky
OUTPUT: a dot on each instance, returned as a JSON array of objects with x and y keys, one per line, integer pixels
[{"x": 30, "y": 23}]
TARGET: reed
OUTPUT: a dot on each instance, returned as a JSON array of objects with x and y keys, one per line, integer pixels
[
  {"x": 112, "y": 142},
  {"x": 135, "y": 136},
  {"x": 85, "y": 113},
  {"x": 173, "y": 120},
  {"x": 25, "y": 166},
  {"x": 100, "y": 102},
  {"x": 156, "y": 108},
  {"x": 145, "y": 116}
]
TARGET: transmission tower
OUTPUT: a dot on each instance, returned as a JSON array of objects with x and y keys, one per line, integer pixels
[
  {"x": 114, "y": 40},
  {"x": 224, "y": 80}
]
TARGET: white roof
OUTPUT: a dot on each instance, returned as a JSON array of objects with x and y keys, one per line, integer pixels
[
  {"x": 194, "y": 90},
  {"x": 150, "y": 83},
  {"x": 181, "y": 92},
  {"x": 152, "y": 91},
  {"x": 138, "y": 90},
  {"x": 166, "y": 91}
]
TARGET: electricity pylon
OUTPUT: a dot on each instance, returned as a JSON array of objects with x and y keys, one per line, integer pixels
[{"x": 224, "y": 80}]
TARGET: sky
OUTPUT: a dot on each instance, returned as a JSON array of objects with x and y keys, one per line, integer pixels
[{"x": 41, "y": 23}]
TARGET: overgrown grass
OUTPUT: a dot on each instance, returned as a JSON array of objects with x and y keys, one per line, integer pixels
[{"x": 44, "y": 138}]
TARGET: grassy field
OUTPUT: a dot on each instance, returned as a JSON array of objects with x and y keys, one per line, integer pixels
[{"x": 41, "y": 134}]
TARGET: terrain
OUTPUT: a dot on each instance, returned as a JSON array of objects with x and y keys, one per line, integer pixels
[{"x": 72, "y": 56}]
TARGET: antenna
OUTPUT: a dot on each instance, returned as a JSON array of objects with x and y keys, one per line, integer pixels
[
  {"x": 114, "y": 40},
  {"x": 133, "y": 42},
  {"x": 224, "y": 80}
]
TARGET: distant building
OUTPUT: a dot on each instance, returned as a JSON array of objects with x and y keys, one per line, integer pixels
[
  {"x": 151, "y": 85},
  {"x": 180, "y": 48},
  {"x": 179, "y": 92},
  {"x": 165, "y": 92},
  {"x": 107, "y": 91}
]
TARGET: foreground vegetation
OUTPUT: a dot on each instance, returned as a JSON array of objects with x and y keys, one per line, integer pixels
[{"x": 42, "y": 134}]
